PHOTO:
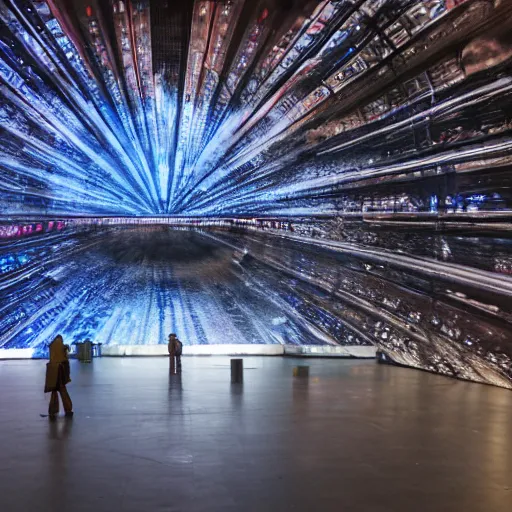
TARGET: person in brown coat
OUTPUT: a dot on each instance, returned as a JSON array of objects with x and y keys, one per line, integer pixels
[{"x": 57, "y": 376}]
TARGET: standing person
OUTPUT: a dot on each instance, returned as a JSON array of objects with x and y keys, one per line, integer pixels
[
  {"x": 175, "y": 348},
  {"x": 57, "y": 376}
]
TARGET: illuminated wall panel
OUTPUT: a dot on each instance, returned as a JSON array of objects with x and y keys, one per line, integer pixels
[{"x": 374, "y": 134}]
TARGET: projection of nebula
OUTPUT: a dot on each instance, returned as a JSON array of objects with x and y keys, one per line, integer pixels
[{"x": 345, "y": 166}]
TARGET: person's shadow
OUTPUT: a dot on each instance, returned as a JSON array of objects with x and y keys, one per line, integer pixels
[
  {"x": 175, "y": 383},
  {"x": 60, "y": 429},
  {"x": 175, "y": 402},
  {"x": 58, "y": 457}
]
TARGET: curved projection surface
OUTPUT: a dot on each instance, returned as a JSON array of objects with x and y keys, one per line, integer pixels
[
  {"x": 343, "y": 168},
  {"x": 136, "y": 286}
]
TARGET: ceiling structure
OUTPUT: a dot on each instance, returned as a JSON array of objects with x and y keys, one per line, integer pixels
[{"x": 264, "y": 107}]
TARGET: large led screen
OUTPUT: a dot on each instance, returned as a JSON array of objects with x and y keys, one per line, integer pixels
[{"x": 288, "y": 172}]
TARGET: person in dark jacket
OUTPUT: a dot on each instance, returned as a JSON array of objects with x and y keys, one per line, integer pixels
[
  {"x": 175, "y": 348},
  {"x": 57, "y": 377}
]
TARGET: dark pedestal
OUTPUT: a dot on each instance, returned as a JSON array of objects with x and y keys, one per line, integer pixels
[{"x": 237, "y": 370}]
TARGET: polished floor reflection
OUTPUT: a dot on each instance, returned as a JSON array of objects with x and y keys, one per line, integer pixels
[{"x": 355, "y": 436}]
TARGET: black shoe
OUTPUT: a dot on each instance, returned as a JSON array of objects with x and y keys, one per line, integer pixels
[{"x": 69, "y": 414}]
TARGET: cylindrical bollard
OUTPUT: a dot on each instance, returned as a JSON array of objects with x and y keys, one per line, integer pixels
[
  {"x": 87, "y": 351},
  {"x": 80, "y": 351},
  {"x": 84, "y": 354},
  {"x": 301, "y": 371},
  {"x": 237, "y": 371}
]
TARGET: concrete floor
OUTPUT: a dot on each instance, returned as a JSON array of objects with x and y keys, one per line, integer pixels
[{"x": 355, "y": 436}]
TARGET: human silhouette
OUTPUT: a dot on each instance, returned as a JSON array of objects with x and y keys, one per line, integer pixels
[
  {"x": 57, "y": 376},
  {"x": 175, "y": 348}
]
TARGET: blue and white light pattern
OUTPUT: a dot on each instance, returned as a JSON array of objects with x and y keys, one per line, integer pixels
[
  {"x": 326, "y": 172},
  {"x": 244, "y": 116}
]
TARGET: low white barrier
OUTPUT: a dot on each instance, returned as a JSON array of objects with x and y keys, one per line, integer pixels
[
  {"x": 217, "y": 350},
  {"x": 194, "y": 350},
  {"x": 16, "y": 353},
  {"x": 330, "y": 351}
]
